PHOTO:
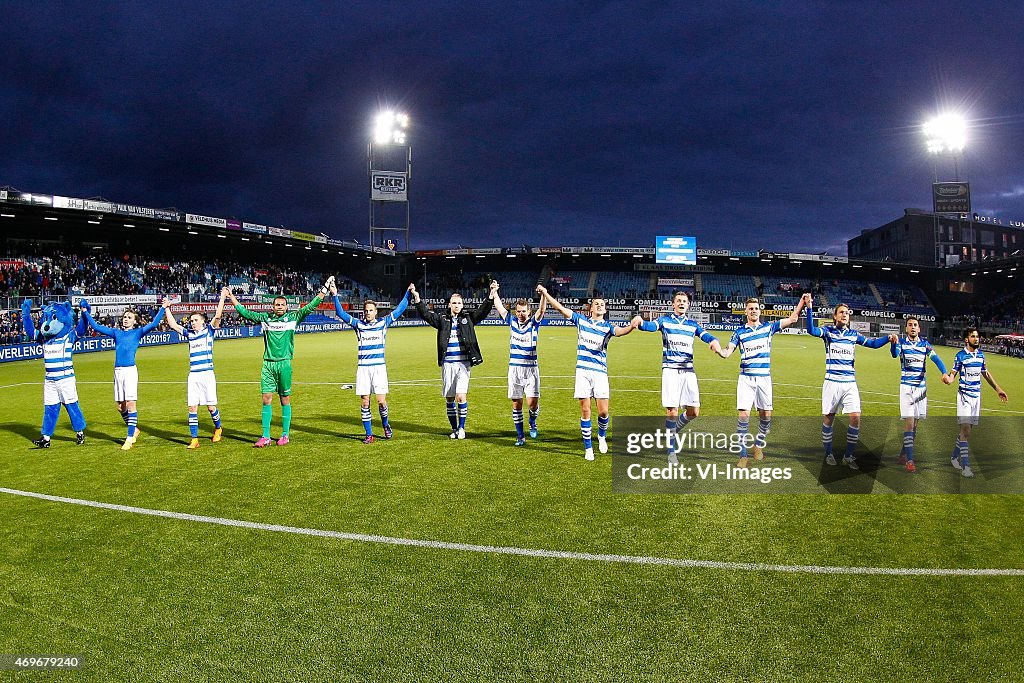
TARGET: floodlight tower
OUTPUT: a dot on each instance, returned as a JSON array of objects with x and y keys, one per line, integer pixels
[
  {"x": 947, "y": 134},
  {"x": 389, "y": 162}
]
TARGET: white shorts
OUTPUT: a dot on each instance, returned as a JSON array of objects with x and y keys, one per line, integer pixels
[
  {"x": 913, "y": 402},
  {"x": 839, "y": 397},
  {"x": 455, "y": 379},
  {"x": 679, "y": 388},
  {"x": 60, "y": 391},
  {"x": 754, "y": 392},
  {"x": 523, "y": 381},
  {"x": 968, "y": 409},
  {"x": 591, "y": 383},
  {"x": 126, "y": 384},
  {"x": 372, "y": 380},
  {"x": 202, "y": 388}
]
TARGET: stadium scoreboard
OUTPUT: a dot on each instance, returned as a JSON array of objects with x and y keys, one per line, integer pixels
[{"x": 675, "y": 250}]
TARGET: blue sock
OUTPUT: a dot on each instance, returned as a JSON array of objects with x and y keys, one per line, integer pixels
[
  {"x": 215, "y": 416},
  {"x": 193, "y": 424},
  {"x": 50, "y": 415},
  {"x": 364, "y": 415},
  {"x": 602, "y": 425},
  {"x": 908, "y": 445},
  {"x": 586, "y": 432},
  {"x": 383, "y": 410},
  {"x": 133, "y": 422},
  {"x": 683, "y": 420},
  {"x": 533, "y": 417},
  {"x": 75, "y": 413},
  {"x": 671, "y": 431},
  {"x": 965, "y": 453},
  {"x": 517, "y": 420},
  {"x": 742, "y": 428},
  {"x": 852, "y": 436},
  {"x": 124, "y": 416},
  {"x": 826, "y": 438},
  {"x": 453, "y": 417},
  {"x": 463, "y": 414}
]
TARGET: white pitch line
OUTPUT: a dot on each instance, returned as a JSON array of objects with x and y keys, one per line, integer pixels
[{"x": 527, "y": 552}]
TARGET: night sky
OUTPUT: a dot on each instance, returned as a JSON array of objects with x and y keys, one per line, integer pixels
[{"x": 786, "y": 126}]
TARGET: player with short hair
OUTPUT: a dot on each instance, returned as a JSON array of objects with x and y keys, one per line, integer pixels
[
  {"x": 126, "y": 373},
  {"x": 457, "y": 352},
  {"x": 593, "y": 335},
  {"x": 913, "y": 351},
  {"x": 523, "y": 370},
  {"x": 969, "y": 364},
  {"x": 371, "y": 371},
  {"x": 680, "y": 395},
  {"x": 202, "y": 382},
  {"x": 839, "y": 391},
  {"x": 278, "y": 350},
  {"x": 754, "y": 386}
]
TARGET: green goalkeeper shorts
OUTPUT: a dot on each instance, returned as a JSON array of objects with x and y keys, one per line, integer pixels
[{"x": 276, "y": 377}]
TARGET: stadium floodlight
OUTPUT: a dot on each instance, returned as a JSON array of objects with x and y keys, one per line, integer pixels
[
  {"x": 390, "y": 128},
  {"x": 946, "y": 133}
]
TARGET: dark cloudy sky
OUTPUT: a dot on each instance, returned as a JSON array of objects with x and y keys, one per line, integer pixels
[{"x": 785, "y": 126}]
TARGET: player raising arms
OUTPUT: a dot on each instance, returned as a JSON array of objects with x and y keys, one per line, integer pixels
[
  {"x": 278, "y": 350},
  {"x": 202, "y": 383},
  {"x": 593, "y": 334},
  {"x": 371, "y": 372},
  {"x": 839, "y": 391},
  {"x": 913, "y": 352},
  {"x": 457, "y": 352},
  {"x": 126, "y": 373},
  {"x": 754, "y": 387},
  {"x": 523, "y": 371},
  {"x": 969, "y": 364},
  {"x": 680, "y": 394}
]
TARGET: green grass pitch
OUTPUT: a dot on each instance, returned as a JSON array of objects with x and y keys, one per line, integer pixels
[{"x": 150, "y": 598}]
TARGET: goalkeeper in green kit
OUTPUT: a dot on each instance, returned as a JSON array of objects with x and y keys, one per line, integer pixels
[{"x": 279, "y": 349}]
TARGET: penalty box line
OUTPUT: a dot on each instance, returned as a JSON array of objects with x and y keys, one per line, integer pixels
[{"x": 523, "y": 552}]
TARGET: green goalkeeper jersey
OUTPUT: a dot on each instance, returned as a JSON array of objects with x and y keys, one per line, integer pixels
[{"x": 279, "y": 331}]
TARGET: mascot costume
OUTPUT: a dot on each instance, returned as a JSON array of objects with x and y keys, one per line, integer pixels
[{"x": 57, "y": 334}]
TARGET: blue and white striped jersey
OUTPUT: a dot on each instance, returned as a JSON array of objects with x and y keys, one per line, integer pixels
[
  {"x": 970, "y": 365},
  {"x": 755, "y": 345},
  {"x": 455, "y": 353},
  {"x": 592, "y": 343},
  {"x": 57, "y": 357},
  {"x": 913, "y": 357},
  {"x": 840, "y": 346},
  {"x": 677, "y": 334},
  {"x": 372, "y": 336},
  {"x": 200, "y": 348},
  {"x": 522, "y": 343}
]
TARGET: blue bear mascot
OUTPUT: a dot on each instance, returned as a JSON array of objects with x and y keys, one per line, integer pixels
[{"x": 57, "y": 333}]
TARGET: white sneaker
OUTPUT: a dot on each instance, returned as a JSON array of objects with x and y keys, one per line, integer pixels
[
  {"x": 955, "y": 462},
  {"x": 602, "y": 444},
  {"x": 830, "y": 459},
  {"x": 462, "y": 433},
  {"x": 588, "y": 454},
  {"x": 673, "y": 459},
  {"x": 453, "y": 435},
  {"x": 851, "y": 463},
  {"x": 966, "y": 471}
]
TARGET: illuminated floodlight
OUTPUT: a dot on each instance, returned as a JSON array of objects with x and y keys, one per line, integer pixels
[
  {"x": 390, "y": 128},
  {"x": 946, "y": 133}
]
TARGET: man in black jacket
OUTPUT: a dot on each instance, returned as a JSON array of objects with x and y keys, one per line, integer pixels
[{"x": 457, "y": 352}]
